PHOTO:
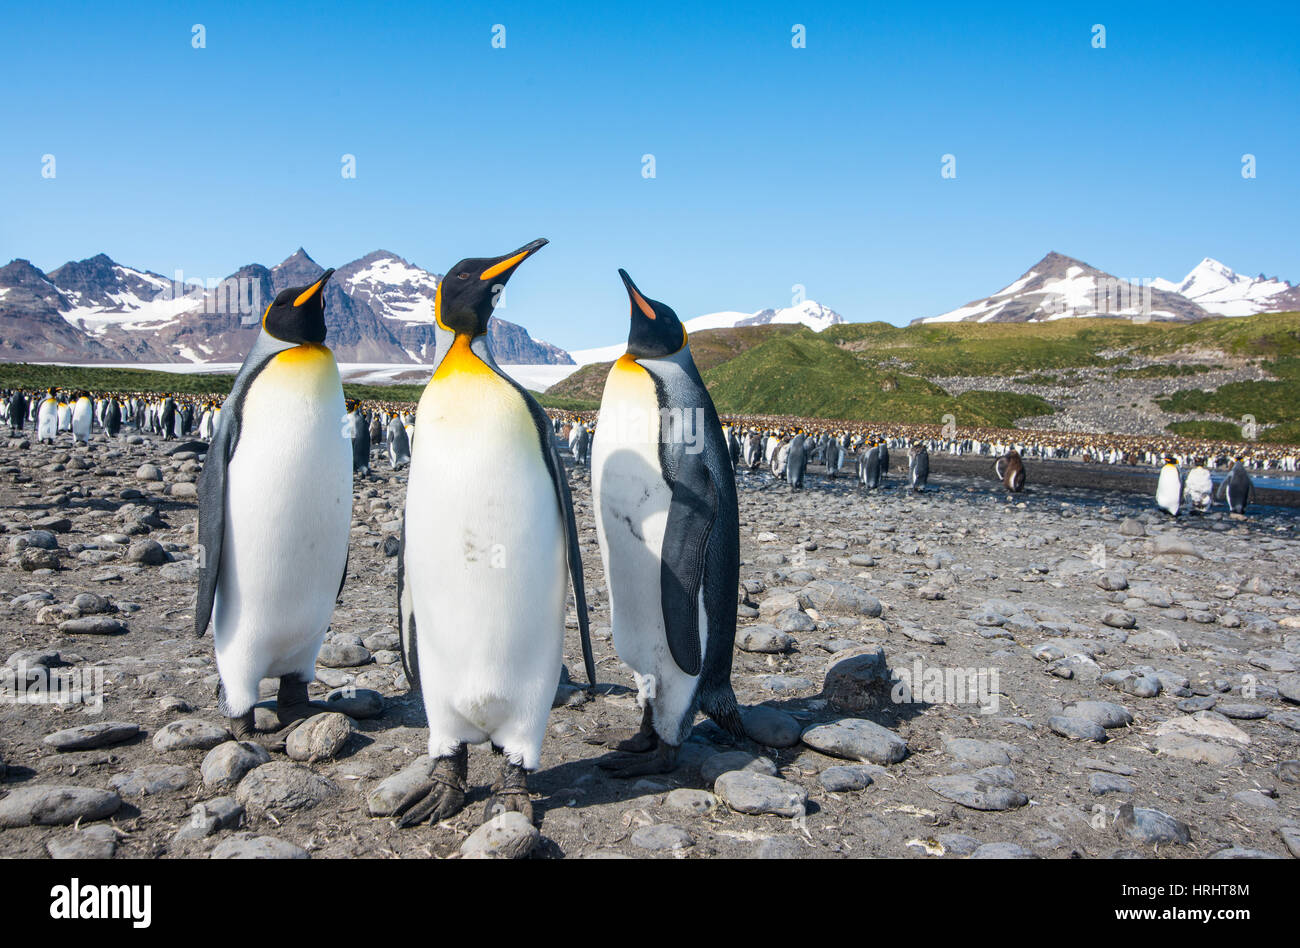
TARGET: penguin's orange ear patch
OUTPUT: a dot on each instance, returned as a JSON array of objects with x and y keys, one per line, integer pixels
[{"x": 639, "y": 301}]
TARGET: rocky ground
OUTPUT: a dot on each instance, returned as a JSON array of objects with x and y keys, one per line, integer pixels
[{"x": 1136, "y": 685}]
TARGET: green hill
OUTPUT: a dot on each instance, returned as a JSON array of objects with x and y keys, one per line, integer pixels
[{"x": 806, "y": 374}]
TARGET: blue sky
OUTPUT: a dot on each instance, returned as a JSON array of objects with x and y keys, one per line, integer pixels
[{"x": 775, "y": 166}]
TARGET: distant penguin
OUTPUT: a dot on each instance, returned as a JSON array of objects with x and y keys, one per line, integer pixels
[
  {"x": 376, "y": 430},
  {"x": 581, "y": 444},
  {"x": 113, "y": 418},
  {"x": 1169, "y": 489},
  {"x": 83, "y": 417},
  {"x": 47, "y": 424},
  {"x": 753, "y": 450},
  {"x": 399, "y": 445},
  {"x": 869, "y": 467},
  {"x": 1011, "y": 471},
  {"x": 275, "y": 508},
  {"x": 17, "y": 411},
  {"x": 1198, "y": 490},
  {"x": 796, "y": 461},
  {"x": 1237, "y": 488},
  {"x": 167, "y": 418},
  {"x": 834, "y": 457},
  {"x": 359, "y": 434},
  {"x": 918, "y": 467},
  {"x": 780, "y": 458},
  {"x": 669, "y": 531},
  {"x": 65, "y": 416},
  {"x": 488, "y": 555},
  {"x": 884, "y": 459},
  {"x": 733, "y": 446}
]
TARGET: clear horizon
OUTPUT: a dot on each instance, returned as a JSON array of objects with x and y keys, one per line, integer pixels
[{"x": 774, "y": 166}]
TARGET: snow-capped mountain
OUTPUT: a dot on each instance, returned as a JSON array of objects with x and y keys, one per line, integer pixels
[
  {"x": 810, "y": 313},
  {"x": 1060, "y": 287},
  {"x": 1221, "y": 290},
  {"x": 379, "y": 309}
]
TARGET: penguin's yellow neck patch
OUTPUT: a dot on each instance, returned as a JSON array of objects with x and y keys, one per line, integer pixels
[
  {"x": 626, "y": 363},
  {"x": 304, "y": 354},
  {"x": 461, "y": 360}
]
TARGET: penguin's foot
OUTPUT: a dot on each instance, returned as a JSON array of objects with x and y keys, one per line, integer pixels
[
  {"x": 445, "y": 795},
  {"x": 639, "y": 742},
  {"x": 509, "y": 794},
  {"x": 291, "y": 704},
  {"x": 662, "y": 760},
  {"x": 242, "y": 727}
]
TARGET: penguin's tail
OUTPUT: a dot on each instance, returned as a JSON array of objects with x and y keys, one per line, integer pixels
[{"x": 720, "y": 705}]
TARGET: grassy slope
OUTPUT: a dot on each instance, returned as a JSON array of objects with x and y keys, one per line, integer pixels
[{"x": 805, "y": 374}]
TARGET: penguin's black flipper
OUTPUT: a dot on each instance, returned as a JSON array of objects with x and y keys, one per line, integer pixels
[
  {"x": 686, "y": 540},
  {"x": 406, "y": 617},
  {"x": 212, "y": 517},
  {"x": 555, "y": 466}
]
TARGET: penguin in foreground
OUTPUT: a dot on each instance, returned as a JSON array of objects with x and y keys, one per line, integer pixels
[
  {"x": 1237, "y": 487},
  {"x": 489, "y": 548},
  {"x": 275, "y": 507},
  {"x": 669, "y": 531},
  {"x": 1198, "y": 490},
  {"x": 1169, "y": 489},
  {"x": 918, "y": 467},
  {"x": 1011, "y": 471}
]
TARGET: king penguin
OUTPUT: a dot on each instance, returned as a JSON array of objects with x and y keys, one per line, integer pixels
[
  {"x": 797, "y": 461},
  {"x": 1169, "y": 489},
  {"x": 359, "y": 435},
  {"x": 1011, "y": 471},
  {"x": 669, "y": 531},
  {"x": 47, "y": 424},
  {"x": 919, "y": 467},
  {"x": 1198, "y": 490},
  {"x": 1237, "y": 487},
  {"x": 399, "y": 445},
  {"x": 275, "y": 507},
  {"x": 489, "y": 548},
  {"x": 83, "y": 416}
]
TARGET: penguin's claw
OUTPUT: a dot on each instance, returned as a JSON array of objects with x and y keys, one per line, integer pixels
[
  {"x": 639, "y": 743},
  {"x": 660, "y": 761},
  {"x": 444, "y": 796},
  {"x": 510, "y": 794},
  {"x": 439, "y": 802}
]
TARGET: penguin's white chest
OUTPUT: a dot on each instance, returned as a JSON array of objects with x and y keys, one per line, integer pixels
[
  {"x": 632, "y": 501},
  {"x": 1167, "y": 489},
  {"x": 485, "y": 562},
  {"x": 288, "y": 512}
]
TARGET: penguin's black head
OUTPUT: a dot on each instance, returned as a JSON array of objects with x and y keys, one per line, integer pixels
[
  {"x": 469, "y": 291},
  {"x": 656, "y": 331},
  {"x": 298, "y": 313}
]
